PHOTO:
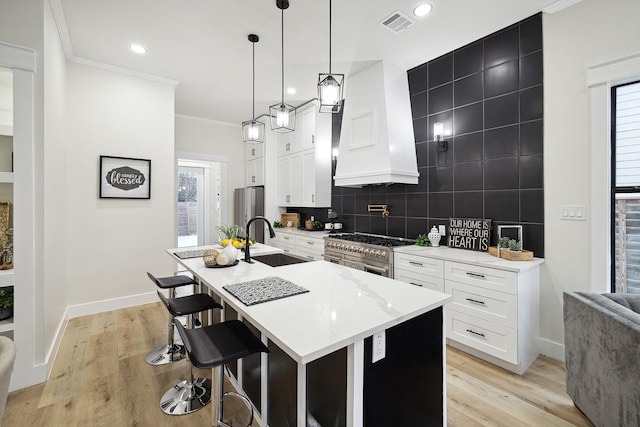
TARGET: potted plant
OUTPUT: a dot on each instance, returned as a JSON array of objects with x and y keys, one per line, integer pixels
[
  {"x": 504, "y": 242},
  {"x": 515, "y": 245},
  {"x": 6, "y": 302}
]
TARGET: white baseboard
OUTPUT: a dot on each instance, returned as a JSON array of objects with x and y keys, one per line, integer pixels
[
  {"x": 88, "y": 309},
  {"x": 110, "y": 304},
  {"x": 53, "y": 350},
  {"x": 552, "y": 349}
]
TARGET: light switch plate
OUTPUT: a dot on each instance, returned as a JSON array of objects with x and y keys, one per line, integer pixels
[
  {"x": 379, "y": 344},
  {"x": 573, "y": 212}
]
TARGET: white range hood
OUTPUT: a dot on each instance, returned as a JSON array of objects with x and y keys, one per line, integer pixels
[{"x": 377, "y": 144}]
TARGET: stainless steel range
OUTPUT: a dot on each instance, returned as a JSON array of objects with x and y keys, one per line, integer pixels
[{"x": 367, "y": 252}]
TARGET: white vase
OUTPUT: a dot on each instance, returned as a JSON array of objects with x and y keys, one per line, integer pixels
[
  {"x": 231, "y": 252},
  {"x": 434, "y": 236}
]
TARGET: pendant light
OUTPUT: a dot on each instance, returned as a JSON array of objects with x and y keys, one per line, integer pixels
[
  {"x": 253, "y": 130},
  {"x": 283, "y": 116},
  {"x": 330, "y": 85}
]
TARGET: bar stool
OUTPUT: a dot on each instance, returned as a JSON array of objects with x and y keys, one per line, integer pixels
[
  {"x": 215, "y": 345},
  {"x": 169, "y": 352},
  {"x": 190, "y": 394}
]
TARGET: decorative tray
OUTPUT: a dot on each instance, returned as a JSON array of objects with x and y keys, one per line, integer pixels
[{"x": 223, "y": 266}]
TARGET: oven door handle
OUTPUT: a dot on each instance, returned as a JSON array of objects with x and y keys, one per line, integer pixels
[
  {"x": 332, "y": 259},
  {"x": 376, "y": 270}
]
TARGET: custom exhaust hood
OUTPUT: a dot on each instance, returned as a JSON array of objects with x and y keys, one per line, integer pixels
[{"x": 377, "y": 144}]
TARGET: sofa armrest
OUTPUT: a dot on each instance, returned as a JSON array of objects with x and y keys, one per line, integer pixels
[{"x": 601, "y": 356}]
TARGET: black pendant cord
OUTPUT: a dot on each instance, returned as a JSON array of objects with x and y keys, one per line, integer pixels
[
  {"x": 253, "y": 105},
  {"x": 282, "y": 29},
  {"x": 329, "y": 36}
]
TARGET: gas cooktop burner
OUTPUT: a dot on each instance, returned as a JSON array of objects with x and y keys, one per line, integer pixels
[{"x": 372, "y": 239}]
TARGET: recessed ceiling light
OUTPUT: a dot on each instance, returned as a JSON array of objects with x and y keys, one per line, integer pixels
[
  {"x": 422, "y": 9},
  {"x": 138, "y": 48},
  {"x": 291, "y": 90}
]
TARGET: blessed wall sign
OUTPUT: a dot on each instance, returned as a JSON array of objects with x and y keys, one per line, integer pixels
[
  {"x": 125, "y": 178},
  {"x": 469, "y": 233}
]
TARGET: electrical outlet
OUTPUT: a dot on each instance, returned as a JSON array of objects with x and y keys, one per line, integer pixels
[
  {"x": 379, "y": 344},
  {"x": 442, "y": 230}
]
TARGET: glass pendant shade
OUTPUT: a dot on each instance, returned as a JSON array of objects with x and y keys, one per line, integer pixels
[
  {"x": 330, "y": 92},
  {"x": 283, "y": 117},
  {"x": 253, "y": 131},
  {"x": 330, "y": 84}
]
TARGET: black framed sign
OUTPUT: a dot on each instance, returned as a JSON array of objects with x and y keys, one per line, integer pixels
[
  {"x": 469, "y": 233},
  {"x": 125, "y": 178}
]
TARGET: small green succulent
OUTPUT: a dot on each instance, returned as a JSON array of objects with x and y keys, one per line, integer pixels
[{"x": 423, "y": 240}]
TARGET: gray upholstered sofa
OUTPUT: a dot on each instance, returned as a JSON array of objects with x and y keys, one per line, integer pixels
[{"x": 602, "y": 355}]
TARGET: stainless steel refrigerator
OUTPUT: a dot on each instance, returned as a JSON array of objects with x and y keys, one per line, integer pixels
[{"x": 249, "y": 202}]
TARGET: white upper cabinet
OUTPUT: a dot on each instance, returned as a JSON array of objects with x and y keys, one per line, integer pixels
[
  {"x": 304, "y": 174},
  {"x": 254, "y": 150}
]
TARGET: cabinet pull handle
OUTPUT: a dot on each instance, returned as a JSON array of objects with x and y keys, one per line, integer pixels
[
  {"x": 309, "y": 243},
  {"x": 415, "y": 284},
  {"x": 480, "y": 276},
  {"x": 309, "y": 256},
  {"x": 313, "y": 198},
  {"x": 288, "y": 146},
  {"x": 480, "y": 334},
  {"x": 475, "y": 301},
  {"x": 285, "y": 238},
  {"x": 253, "y": 151},
  {"x": 288, "y": 199},
  {"x": 253, "y": 178},
  {"x": 419, "y": 264},
  {"x": 313, "y": 139}
]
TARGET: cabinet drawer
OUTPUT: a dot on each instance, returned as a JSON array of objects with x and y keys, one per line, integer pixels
[
  {"x": 311, "y": 255},
  {"x": 422, "y": 265},
  {"x": 284, "y": 241},
  {"x": 489, "y": 278},
  {"x": 488, "y": 337},
  {"x": 423, "y": 280},
  {"x": 487, "y": 304},
  {"x": 310, "y": 243}
]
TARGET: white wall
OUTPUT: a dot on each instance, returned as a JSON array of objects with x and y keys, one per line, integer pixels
[
  {"x": 215, "y": 140},
  {"x": 55, "y": 187},
  {"x": 589, "y": 33},
  {"x": 112, "y": 243}
]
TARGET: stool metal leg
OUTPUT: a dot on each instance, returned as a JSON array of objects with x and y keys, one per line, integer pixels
[
  {"x": 187, "y": 396},
  {"x": 169, "y": 352},
  {"x": 219, "y": 395}
]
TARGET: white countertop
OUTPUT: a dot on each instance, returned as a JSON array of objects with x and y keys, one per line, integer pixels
[
  {"x": 343, "y": 305},
  {"x": 290, "y": 230},
  {"x": 482, "y": 259}
]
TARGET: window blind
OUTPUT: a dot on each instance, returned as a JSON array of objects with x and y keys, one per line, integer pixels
[{"x": 627, "y": 135}]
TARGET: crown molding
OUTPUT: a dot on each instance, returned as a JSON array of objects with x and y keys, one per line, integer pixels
[
  {"x": 202, "y": 119},
  {"x": 559, "y": 5},
  {"x": 63, "y": 30}
]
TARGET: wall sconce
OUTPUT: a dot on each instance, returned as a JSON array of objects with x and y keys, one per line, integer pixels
[{"x": 438, "y": 135}]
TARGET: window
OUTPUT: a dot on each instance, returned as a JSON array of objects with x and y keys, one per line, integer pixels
[{"x": 625, "y": 193}]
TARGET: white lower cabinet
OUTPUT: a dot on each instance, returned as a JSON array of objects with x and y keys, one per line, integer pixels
[
  {"x": 419, "y": 271},
  {"x": 300, "y": 243},
  {"x": 494, "y": 313}
]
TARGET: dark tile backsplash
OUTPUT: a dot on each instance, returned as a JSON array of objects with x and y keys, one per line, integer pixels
[{"x": 488, "y": 94}]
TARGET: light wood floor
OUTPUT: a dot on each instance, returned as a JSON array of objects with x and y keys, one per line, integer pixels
[{"x": 100, "y": 378}]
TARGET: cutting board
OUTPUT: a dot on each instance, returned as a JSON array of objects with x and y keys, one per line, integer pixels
[{"x": 293, "y": 217}]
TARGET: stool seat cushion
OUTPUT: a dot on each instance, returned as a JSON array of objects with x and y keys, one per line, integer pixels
[
  {"x": 220, "y": 343},
  {"x": 189, "y": 304},
  {"x": 172, "y": 281}
]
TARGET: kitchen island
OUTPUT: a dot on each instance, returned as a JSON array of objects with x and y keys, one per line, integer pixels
[{"x": 320, "y": 369}]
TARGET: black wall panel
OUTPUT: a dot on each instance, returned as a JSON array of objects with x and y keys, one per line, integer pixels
[{"x": 489, "y": 95}]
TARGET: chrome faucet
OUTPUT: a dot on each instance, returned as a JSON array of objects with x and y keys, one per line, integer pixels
[{"x": 272, "y": 234}]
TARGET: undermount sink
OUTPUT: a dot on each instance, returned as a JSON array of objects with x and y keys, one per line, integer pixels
[{"x": 277, "y": 260}]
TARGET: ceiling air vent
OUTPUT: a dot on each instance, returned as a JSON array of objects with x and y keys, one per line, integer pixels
[{"x": 396, "y": 22}]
